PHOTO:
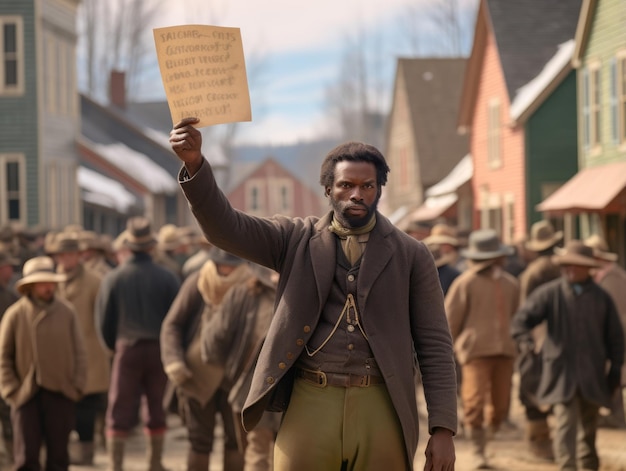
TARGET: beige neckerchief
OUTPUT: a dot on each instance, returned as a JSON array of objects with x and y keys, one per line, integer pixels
[
  {"x": 213, "y": 286},
  {"x": 353, "y": 240}
]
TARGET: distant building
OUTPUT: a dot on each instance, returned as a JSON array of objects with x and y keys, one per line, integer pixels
[
  {"x": 516, "y": 161},
  {"x": 267, "y": 188},
  {"x": 423, "y": 145},
  {"x": 40, "y": 117},
  {"x": 595, "y": 197}
]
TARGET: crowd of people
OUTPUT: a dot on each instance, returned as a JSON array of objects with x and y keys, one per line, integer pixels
[
  {"x": 100, "y": 337},
  {"x": 554, "y": 313},
  {"x": 308, "y": 337}
]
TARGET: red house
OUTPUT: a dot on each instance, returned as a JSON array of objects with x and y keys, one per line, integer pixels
[{"x": 267, "y": 188}]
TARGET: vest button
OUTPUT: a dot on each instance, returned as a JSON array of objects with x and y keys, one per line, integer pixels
[
  {"x": 299, "y": 342},
  {"x": 350, "y": 346},
  {"x": 282, "y": 365},
  {"x": 307, "y": 328},
  {"x": 269, "y": 380},
  {"x": 289, "y": 356},
  {"x": 350, "y": 328},
  {"x": 350, "y": 277}
]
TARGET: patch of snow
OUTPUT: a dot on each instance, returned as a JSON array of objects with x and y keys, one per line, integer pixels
[
  {"x": 527, "y": 94},
  {"x": 138, "y": 166},
  {"x": 104, "y": 191}
]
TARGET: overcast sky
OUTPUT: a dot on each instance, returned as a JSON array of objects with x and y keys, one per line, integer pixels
[{"x": 294, "y": 49}]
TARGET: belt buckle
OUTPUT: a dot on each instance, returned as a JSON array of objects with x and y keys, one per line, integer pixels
[
  {"x": 322, "y": 379},
  {"x": 365, "y": 381}
]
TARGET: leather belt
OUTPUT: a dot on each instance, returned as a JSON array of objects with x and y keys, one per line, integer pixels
[{"x": 342, "y": 380}]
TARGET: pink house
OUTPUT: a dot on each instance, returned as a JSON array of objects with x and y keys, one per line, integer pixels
[{"x": 512, "y": 43}]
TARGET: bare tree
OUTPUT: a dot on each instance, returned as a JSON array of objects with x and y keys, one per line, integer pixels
[
  {"x": 115, "y": 36},
  {"x": 355, "y": 101},
  {"x": 439, "y": 27}
]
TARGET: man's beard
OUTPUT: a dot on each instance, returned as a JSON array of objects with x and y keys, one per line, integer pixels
[{"x": 352, "y": 222}]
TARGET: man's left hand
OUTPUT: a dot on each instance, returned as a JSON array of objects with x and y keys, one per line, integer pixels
[{"x": 440, "y": 454}]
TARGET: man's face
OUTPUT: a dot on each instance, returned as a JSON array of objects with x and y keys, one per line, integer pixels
[
  {"x": 354, "y": 195},
  {"x": 43, "y": 291},
  {"x": 68, "y": 261},
  {"x": 575, "y": 273}
]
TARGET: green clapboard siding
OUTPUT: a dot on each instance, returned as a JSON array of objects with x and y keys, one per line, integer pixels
[
  {"x": 18, "y": 116},
  {"x": 607, "y": 37},
  {"x": 551, "y": 144}
]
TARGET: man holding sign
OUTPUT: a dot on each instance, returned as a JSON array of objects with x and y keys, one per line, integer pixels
[{"x": 358, "y": 302}]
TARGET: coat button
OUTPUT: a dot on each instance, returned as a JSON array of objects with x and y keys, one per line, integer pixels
[
  {"x": 350, "y": 277},
  {"x": 299, "y": 342},
  {"x": 350, "y": 346},
  {"x": 307, "y": 328},
  {"x": 282, "y": 365},
  {"x": 269, "y": 380}
]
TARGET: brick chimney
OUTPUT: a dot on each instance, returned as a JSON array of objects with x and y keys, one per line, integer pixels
[{"x": 117, "y": 89}]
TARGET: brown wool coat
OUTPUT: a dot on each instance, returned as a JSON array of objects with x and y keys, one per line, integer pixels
[
  {"x": 479, "y": 310},
  {"x": 41, "y": 348},
  {"x": 399, "y": 297},
  {"x": 81, "y": 290}
]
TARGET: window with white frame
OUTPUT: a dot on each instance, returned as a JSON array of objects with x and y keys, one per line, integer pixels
[
  {"x": 12, "y": 188},
  {"x": 11, "y": 55},
  {"x": 283, "y": 196},
  {"x": 255, "y": 196},
  {"x": 508, "y": 233},
  {"x": 494, "y": 148}
]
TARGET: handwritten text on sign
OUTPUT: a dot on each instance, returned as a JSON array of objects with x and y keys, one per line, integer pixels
[{"x": 204, "y": 73}]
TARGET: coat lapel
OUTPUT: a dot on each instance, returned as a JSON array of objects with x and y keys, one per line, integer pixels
[
  {"x": 377, "y": 255},
  {"x": 322, "y": 245}
]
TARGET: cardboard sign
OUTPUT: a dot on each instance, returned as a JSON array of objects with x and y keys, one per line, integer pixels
[{"x": 204, "y": 73}]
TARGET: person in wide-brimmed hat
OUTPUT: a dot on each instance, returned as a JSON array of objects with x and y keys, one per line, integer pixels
[
  {"x": 131, "y": 305},
  {"x": 582, "y": 354},
  {"x": 81, "y": 289},
  {"x": 445, "y": 237},
  {"x": 543, "y": 241},
  {"x": 43, "y": 404},
  {"x": 612, "y": 278},
  {"x": 479, "y": 305}
]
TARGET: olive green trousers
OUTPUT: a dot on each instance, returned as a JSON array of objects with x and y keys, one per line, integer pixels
[{"x": 337, "y": 429}]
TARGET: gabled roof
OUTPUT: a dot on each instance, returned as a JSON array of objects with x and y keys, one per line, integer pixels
[
  {"x": 582, "y": 30},
  {"x": 527, "y": 35},
  {"x": 529, "y": 97},
  {"x": 106, "y": 125},
  {"x": 433, "y": 87}
]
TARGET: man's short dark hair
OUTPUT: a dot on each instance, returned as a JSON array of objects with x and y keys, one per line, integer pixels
[{"x": 353, "y": 152}]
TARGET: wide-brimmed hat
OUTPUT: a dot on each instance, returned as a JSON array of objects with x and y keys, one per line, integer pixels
[
  {"x": 542, "y": 237},
  {"x": 90, "y": 240},
  {"x": 221, "y": 257},
  {"x": 484, "y": 244},
  {"x": 600, "y": 248},
  {"x": 38, "y": 270},
  {"x": 170, "y": 237},
  {"x": 441, "y": 259},
  {"x": 575, "y": 252},
  {"x": 442, "y": 234},
  {"x": 64, "y": 242},
  {"x": 139, "y": 235}
]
